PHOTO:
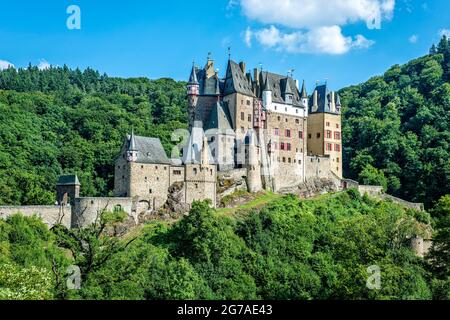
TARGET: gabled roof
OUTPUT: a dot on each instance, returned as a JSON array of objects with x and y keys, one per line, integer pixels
[
  {"x": 323, "y": 100},
  {"x": 278, "y": 85},
  {"x": 236, "y": 81},
  {"x": 68, "y": 180},
  {"x": 149, "y": 150},
  {"x": 219, "y": 119}
]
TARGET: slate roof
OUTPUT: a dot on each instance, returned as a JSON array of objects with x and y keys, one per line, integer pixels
[
  {"x": 149, "y": 150},
  {"x": 68, "y": 180},
  {"x": 219, "y": 118},
  {"x": 279, "y": 85},
  {"x": 236, "y": 81},
  {"x": 193, "y": 76},
  {"x": 323, "y": 100}
]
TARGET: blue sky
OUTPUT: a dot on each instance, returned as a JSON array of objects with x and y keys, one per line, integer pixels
[{"x": 161, "y": 38}]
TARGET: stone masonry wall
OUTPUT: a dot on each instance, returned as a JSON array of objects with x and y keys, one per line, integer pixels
[{"x": 50, "y": 215}]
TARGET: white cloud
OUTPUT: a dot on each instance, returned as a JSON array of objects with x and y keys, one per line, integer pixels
[
  {"x": 328, "y": 40},
  {"x": 444, "y": 32},
  {"x": 413, "y": 39},
  {"x": 248, "y": 37},
  {"x": 315, "y": 24},
  {"x": 5, "y": 64},
  {"x": 43, "y": 65},
  {"x": 316, "y": 13}
]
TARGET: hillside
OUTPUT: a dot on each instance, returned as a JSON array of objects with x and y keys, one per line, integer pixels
[
  {"x": 396, "y": 128},
  {"x": 287, "y": 249},
  {"x": 66, "y": 121}
]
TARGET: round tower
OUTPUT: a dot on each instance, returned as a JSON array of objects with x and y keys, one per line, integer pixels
[
  {"x": 193, "y": 91},
  {"x": 267, "y": 93},
  {"x": 132, "y": 151}
]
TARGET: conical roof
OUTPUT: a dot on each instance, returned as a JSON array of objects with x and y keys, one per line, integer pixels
[
  {"x": 193, "y": 76},
  {"x": 304, "y": 94}
]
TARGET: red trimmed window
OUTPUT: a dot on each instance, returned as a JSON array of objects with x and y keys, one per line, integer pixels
[
  {"x": 329, "y": 147},
  {"x": 328, "y": 134},
  {"x": 337, "y": 135},
  {"x": 282, "y": 145},
  {"x": 337, "y": 147}
]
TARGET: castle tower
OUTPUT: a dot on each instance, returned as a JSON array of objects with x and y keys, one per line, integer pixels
[
  {"x": 193, "y": 91},
  {"x": 324, "y": 127},
  {"x": 304, "y": 95},
  {"x": 267, "y": 94},
  {"x": 254, "y": 182},
  {"x": 132, "y": 151},
  {"x": 67, "y": 189}
]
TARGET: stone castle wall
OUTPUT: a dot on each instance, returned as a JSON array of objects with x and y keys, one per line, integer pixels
[
  {"x": 87, "y": 210},
  {"x": 50, "y": 215}
]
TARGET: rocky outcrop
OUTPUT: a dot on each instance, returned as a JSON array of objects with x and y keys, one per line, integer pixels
[
  {"x": 230, "y": 182},
  {"x": 312, "y": 188},
  {"x": 175, "y": 200}
]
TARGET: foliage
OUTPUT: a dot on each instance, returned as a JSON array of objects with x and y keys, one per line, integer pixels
[
  {"x": 59, "y": 120},
  {"x": 399, "y": 123},
  {"x": 289, "y": 249}
]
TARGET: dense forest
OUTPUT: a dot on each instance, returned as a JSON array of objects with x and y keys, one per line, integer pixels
[
  {"x": 289, "y": 249},
  {"x": 396, "y": 128},
  {"x": 396, "y": 133},
  {"x": 58, "y": 121}
]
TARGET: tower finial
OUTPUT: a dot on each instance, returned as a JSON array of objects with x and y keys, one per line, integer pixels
[
  {"x": 229, "y": 53},
  {"x": 209, "y": 56}
]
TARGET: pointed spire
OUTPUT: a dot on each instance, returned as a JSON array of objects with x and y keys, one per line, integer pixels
[
  {"x": 304, "y": 94},
  {"x": 193, "y": 76},
  {"x": 267, "y": 83},
  {"x": 288, "y": 89},
  {"x": 132, "y": 145}
]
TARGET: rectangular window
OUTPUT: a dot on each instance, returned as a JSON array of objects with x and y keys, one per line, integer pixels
[
  {"x": 300, "y": 134},
  {"x": 277, "y": 131},
  {"x": 242, "y": 116},
  {"x": 249, "y": 118},
  {"x": 282, "y": 145},
  {"x": 337, "y": 135},
  {"x": 177, "y": 172},
  {"x": 328, "y": 124},
  {"x": 318, "y": 135},
  {"x": 248, "y": 102},
  {"x": 329, "y": 147},
  {"x": 328, "y": 133},
  {"x": 288, "y": 133},
  {"x": 337, "y": 147},
  {"x": 309, "y": 136},
  {"x": 337, "y": 126},
  {"x": 288, "y": 147}
]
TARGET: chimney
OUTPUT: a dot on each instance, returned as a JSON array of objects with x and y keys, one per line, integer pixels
[
  {"x": 256, "y": 75},
  {"x": 315, "y": 98},
  {"x": 242, "y": 66}
]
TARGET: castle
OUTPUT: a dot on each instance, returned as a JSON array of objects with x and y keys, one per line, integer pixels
[{"x": 260, "y": 126}]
